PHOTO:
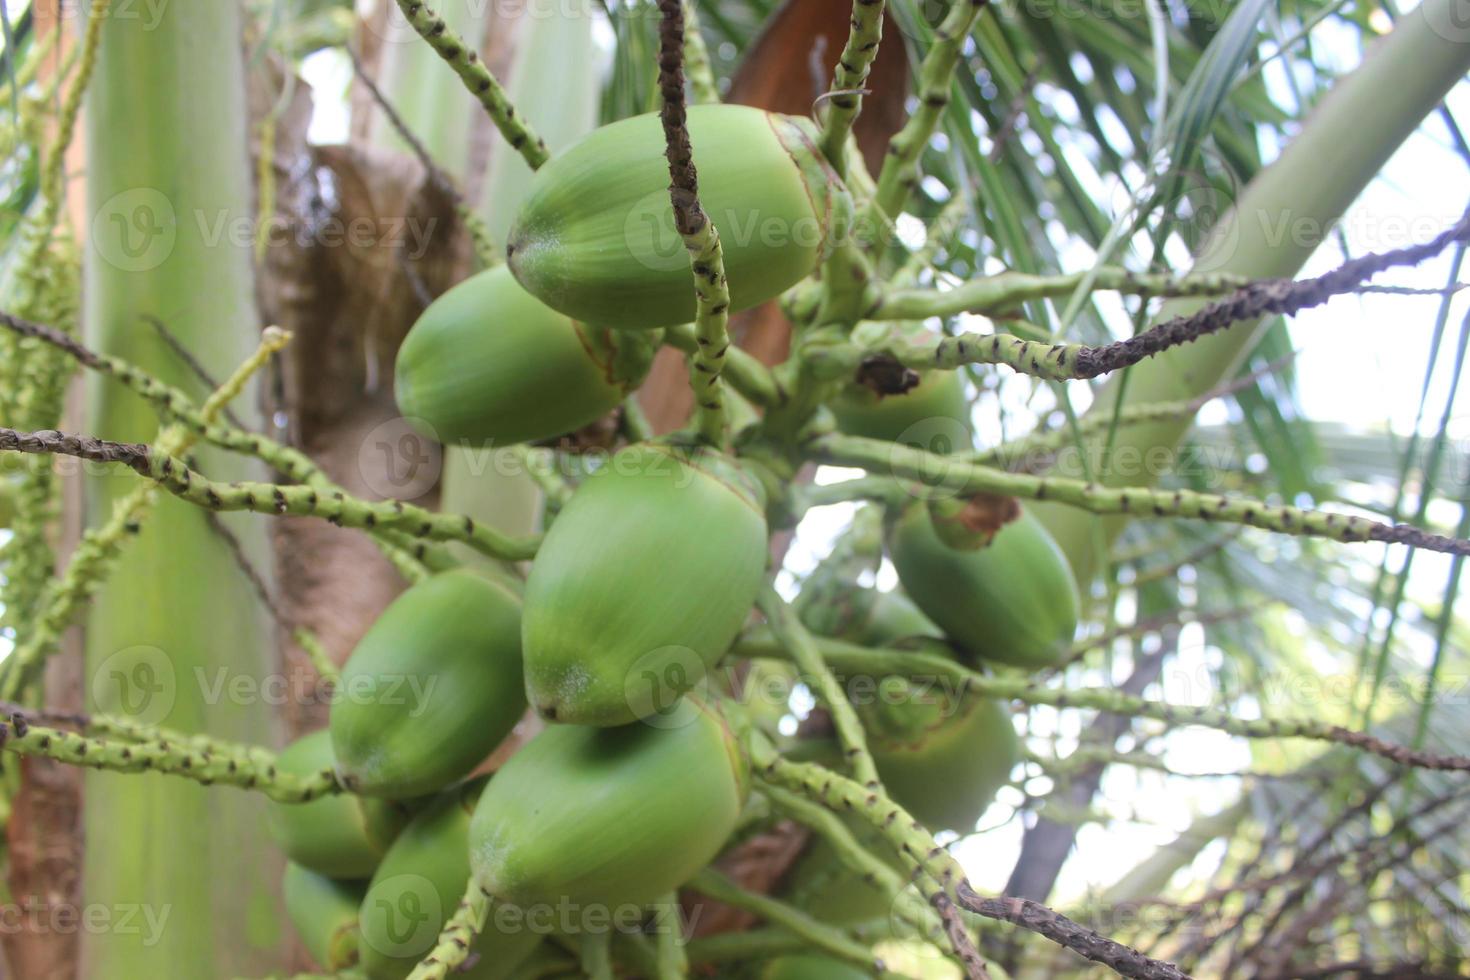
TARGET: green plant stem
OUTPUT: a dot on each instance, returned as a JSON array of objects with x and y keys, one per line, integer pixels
[
  {"x": 173, "y": 404},
  {"x": 477, "y": 79},
  {"x": 853, "y": 660},
  {"x": 270, "y": 498},
  {"x": 746, "y": 374},
  {"x": 936, "y": 78},
  {"x": 100, "y": 546},
  {"x": 956, "y": 474},
  {"x": 670, "y": 960},
  {"x": 777, "y": 913},
  {"x": 845, "y": 99},
  {"x": 457, "y": 938},
  {"x": 696, "y": 59},
  {"x": 1007, "y": 290},
  {"x": 701, "y": 239},
  {"x": 800, "y": 645},
  {"x": 204, "y": 761}
]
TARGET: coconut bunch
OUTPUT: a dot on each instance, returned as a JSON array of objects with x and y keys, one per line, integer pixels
[{"x": 639, "y": 776}]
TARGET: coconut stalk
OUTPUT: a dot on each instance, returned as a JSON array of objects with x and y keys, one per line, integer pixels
[
  {"x": 554, "y": 80},
  {"x": 1285, "y": 212},
  {"x": 178, "y": 614}
]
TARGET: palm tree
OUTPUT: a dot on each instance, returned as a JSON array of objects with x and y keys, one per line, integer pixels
[{"x": 1248, "y": 762}]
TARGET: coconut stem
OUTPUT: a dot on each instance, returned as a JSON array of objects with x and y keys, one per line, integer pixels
[
  {"x": 457, "y": 937},
  {"x": 696, "y": 59},
  {"x": 101, "y": 546},
  {"x": 269, "y": 498},
  {"x": 408, "y": 556},
  {"x": 746, "y": 374},
  {"x": 936, "y": 76},
  {"x": 793, "y": 636},
  {"x": 701, "y": 239},
  {"x": 477, "y": 79},
  {"x": 845, "y": 98},
  {"x": 955, "y": 474},
  {"x": 854, "y": 660},
  {"x": 204, "y": 760},
  {"x": 671, "y": 962},
  {"x": 934, "y": 869},
  {"x": 1008, "y": 290},
  {"x": 824, "y": 937}
]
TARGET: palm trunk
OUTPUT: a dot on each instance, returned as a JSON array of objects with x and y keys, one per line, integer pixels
[
  {"x": 167, "y": 182},
  {"x": 1282, "y": 216}
]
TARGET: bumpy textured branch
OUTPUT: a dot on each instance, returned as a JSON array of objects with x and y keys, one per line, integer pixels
[
  {"x": 936, "y": 76},
  {"x": 696, "y": 59},
  {"x": 935, "y": 870},
  {"x": 746, "y": 374},
  {"x": 701, "y": 240},
  {"x": 400, "y": 549},
  {"x": 851, "y": 659},
  {"x": 193, "y": 757},
  {"x": 466, "y": 63},
  {"x": 1064, "y": 362},
  {"x": 956, "y": 474},
  {"x": 99, "y": 548},
  {"x": 1007, "y": 290},
  {"x": 854, "y": 856},
  {"x": 820, "y": 935},
  {"x": 1037, "y": 918},
  {"x": 268, "y": 498},
  {"x": 792, "y": 635},
  {"x": 845, "y": 100},
  {"x": 457, "y": 937}
]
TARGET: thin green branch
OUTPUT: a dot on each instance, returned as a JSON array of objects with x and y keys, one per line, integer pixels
[
  {"x": 853, "y": 660},
  {"x": 195, "y": 757},
  {"x": 400, "y": 549},
  {"x": 955, "y": 474},
  {"x": 936, "y": 79},
  {"x": 1005, "y": 291},
  {"x": 671, "y": 962},
  {"x": 746, "y": 374},
  {"x": 457, "y": 938},
  {"x": 269, "y": 498},
  {"x": 845, "y": 98},
  {"x": 696, "y": 59},
  {"x": 777, "y": 913},
  {"x": 465, "y": 61},
  {"x": 701, "y": 239},
  {"x": 793, "y": 636}
]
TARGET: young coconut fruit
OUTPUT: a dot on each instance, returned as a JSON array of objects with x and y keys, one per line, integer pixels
[
  {"x": 417, "y": 888},
  {"x": 934, "y": 408},
  {"x": 489, "y": 363},
  {"x": 323, "y": 911},
  {"x": 431, "y": 688},
  {"x": 1011, "y": 601},
  {"x": 641, "y": 584},
  {"x": 595, "y": 238},
  {"x": 941, "y": 756},
  {"x": 609, "y": 817},
  {"x": 341, "y": 836}
]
